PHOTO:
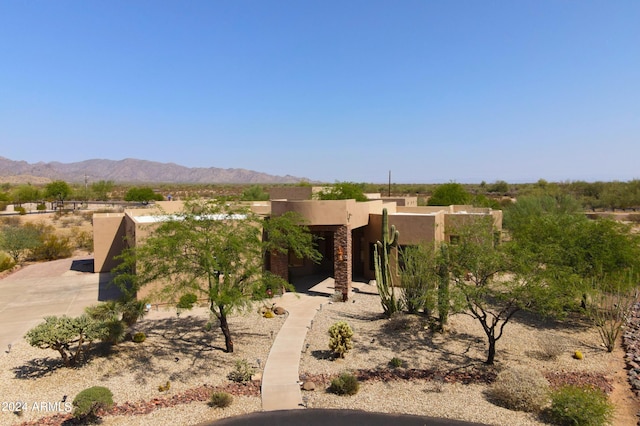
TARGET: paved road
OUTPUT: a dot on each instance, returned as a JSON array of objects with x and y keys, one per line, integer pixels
[
  {"x": 61, "y": 287},
  {"x": 318, "y": 417}
]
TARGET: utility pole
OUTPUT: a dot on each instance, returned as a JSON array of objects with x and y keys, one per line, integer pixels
[{"x": 389, "y": 191}]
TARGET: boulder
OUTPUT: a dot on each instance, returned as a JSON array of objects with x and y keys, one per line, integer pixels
[
  {"x": 279, "y": 310},
  {"x": 308, "y": 386}
]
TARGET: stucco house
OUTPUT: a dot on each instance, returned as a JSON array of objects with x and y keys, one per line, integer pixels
[{"x": 348, "y": 231}]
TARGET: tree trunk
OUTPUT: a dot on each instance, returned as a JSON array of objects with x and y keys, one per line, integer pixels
[
  {"x": 224, "y": 326},
  {"x": 491, "y": 354}
]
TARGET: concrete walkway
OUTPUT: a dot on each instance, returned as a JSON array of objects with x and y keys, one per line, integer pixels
[
  {"x": 280, "y": 387},
  {"x": 280, "y": 377}
]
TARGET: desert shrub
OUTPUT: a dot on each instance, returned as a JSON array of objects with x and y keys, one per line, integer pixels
[
  {"x": 552, "y": 346},
  {"x": 220, "y": 400},
  {"x": 396, "y": 362},
  {"x": 20, "y": 210},
  {"x": 187, "y": 301},
  {"x": 580, "y": 405},
  {"x": 90, "y": 400},
  {"x": 165, "y": 387},
  {"x": 340, "y": 335},
  {"x": 71, "y": 337},
  {"x": 139, "y": 337},
  {"x": 53, "y": 247},
  {"x": 6, "y": 262},
  {"x": 41, "y": 207},
  {"x": 84, "y": 240},
  {"x": 242, "y": 372},
  {"x": 344, "y": 384},
  {"x": 521, "y": 389}
]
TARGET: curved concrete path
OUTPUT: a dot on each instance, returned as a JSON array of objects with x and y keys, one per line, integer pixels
[{"x": 280, "y": 377}]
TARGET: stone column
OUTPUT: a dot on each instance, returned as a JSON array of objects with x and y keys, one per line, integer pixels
[
  {"x": 342, "y": 260},
  {"x": 280, "y": 265}
]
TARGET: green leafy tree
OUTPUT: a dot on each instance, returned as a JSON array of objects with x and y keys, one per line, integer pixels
[
  {"x": 101, "y": 189},
  {"x": 493, "y": 281},
  {"x": 289, "y": 233},
  {"x": 344, "y": 191},
  {"x": 57, "y": 190},
  {"x": 71, "y": 337},
  {"x": 254, "y": 193},
  {"x": 25, "y": 194},
  {"x": 448, "y": 194},
  {"x": 142, "y": 195},
  {"x": 17, "y": 241},
  {"x": 220, "y": 258}
]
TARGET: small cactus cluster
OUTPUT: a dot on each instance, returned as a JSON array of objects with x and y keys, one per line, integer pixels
[
  {"x": 165, "y": 387},
  {"x": 340, "y": 335}
]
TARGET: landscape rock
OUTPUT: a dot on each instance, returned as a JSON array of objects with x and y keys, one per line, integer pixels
[
  {"x": 279, "y": 310},
  {"x": 309, "y": 386}
]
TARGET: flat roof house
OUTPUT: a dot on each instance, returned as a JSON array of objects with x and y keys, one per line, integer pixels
[{"x": 347, "y": 230}]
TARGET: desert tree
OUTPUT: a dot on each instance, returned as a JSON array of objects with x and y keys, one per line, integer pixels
[
  {"x": 58, "y": 190},
  {"x": 19, "y": 240},
  {"x": 212, "y": 249},
  {"x": 493, "y": 281},
  {"x": 344, "y": 191},
  {"x": 71, "y": 337},
  {"x": 448, "y": 194}
]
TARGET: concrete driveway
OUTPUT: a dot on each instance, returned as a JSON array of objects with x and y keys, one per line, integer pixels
[{"x": 61, "y": 287}]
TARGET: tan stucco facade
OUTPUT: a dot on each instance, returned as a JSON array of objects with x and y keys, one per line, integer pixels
[{"x": 346, "y": 229}]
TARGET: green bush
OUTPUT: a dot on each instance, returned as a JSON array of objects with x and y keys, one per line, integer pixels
[
  {"x": 521, "y": 389},
  {"x": 344, "y": 384},
  {"x": 53, "y": 247},
  {"x": 187, "y": 301},
  {"x": 220, "y": 400},
  {"x": 340, "y": 335},
  {"x": 20, "y": 210},
  {"x": 580, "y": 405},
  {"x": 139, "y": 337},
  {"x": 89, "y": 401},
  {"x": 6, "y": 262},
  {"x": 396, "y": 362},
  {"x": 242, "y": 372}
]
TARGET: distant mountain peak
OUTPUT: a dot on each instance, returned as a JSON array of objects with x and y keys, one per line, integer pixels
[{"x": 131, "y": 170}]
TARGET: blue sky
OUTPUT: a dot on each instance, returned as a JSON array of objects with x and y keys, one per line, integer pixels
[{"x": 434, "y": 91}]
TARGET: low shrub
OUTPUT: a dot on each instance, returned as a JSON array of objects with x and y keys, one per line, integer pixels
[
  {"x": 139, "y": 337},
  {"x": 187, "y": 301},
  {"x": 242, "y": 372},
  {"x": 20, "y": 210},
  {"x": 396, "y": 362},
  {"x": 580, "y": 405},
  {"x": 89, "y": 401},
  {"x": 268, "y": 314},
  {"x": 521, "y": 389},
  {"x": 6, "y": 262},
  {"x": 220, "y": 400},
  {"x": 344, "y": 384},
  {"x": 551, "y": 346},
  {"x": 340, "y": 335},
  {"x": 165, "y": 387}
]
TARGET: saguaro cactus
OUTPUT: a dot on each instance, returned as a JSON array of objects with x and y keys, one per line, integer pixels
[{"x": 384, "y": 277}]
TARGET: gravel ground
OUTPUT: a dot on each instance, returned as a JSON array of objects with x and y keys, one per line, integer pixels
[
  {"x": 178, "y": 350},
  {"x": 377, "y": 340},
  {"x": 181, "y": 351}
]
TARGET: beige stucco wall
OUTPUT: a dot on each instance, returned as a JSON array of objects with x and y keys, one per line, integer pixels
[
  {"x": 328, "y": 212},
  {"x": 108, "y": 239},
  {"x": 290, "y": 193}
]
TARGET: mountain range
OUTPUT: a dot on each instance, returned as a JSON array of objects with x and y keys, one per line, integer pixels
[{"x": 130, "y": 171}]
